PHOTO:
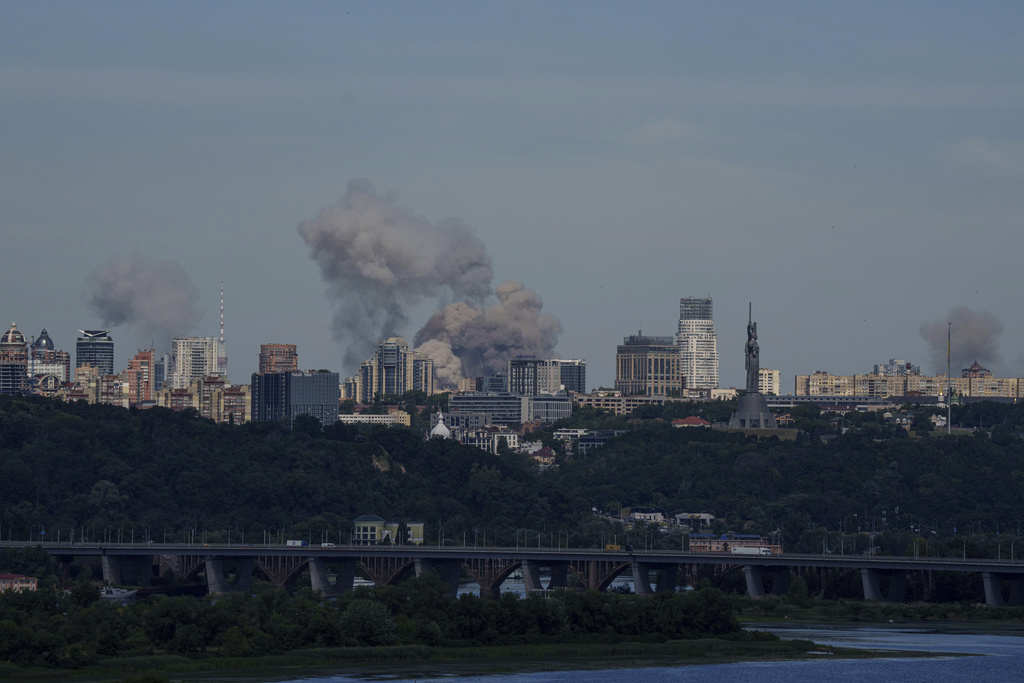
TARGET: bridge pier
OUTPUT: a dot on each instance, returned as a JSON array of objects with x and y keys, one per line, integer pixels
[
  {"x": 531, "y": 575},
  {"x": 666, "y": 577},
  {"x": 871, "y": 581},
  {"x": 754, "y": 575},
  {"x": 318, "y": 576},
  {"x": 450, "y": 571},
  {"x": 217, "y": 581},
  {"x": 124, "y": 570},
  {"x": 994, "y": 589}
]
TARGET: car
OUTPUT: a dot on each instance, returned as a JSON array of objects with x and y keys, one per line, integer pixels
[{"x": 327, "y": 545}]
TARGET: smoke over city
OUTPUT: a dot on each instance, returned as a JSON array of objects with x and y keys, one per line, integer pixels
[
  {"x": 156, "y": 297},
  {"x": 380, "y": 260},
  {"x": 975, "y": 337},
  {"x": 484, "y": 339}
]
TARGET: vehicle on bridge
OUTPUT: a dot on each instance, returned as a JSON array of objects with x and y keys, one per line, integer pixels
[
  {"x": 296, "y": 543},
  {"x": 750, "y": 550}
]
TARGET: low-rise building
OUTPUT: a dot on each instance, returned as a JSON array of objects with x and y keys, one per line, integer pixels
[
  {"x": 724, "y": 543},
  {"x": 18, "y": 583},
  {"x": 615, "y": 403},
  {"x": 397, "y": 417}
]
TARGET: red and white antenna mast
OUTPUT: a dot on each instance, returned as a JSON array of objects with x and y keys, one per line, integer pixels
[{"x": 222, "y": 358}]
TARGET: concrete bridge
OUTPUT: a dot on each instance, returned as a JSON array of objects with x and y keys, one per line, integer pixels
[{"x": 230, "y": 567}]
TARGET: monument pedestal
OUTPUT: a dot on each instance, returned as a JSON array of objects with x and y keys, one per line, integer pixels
[{"x": 752, "y": 413}]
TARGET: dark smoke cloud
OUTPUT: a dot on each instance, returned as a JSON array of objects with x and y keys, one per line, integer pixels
[
  {"x": 484, "y": 339},
  {"x": 975, "y": 337},
  {"x": 379, "y": 260},
  {"x": 157, "y": 297}
]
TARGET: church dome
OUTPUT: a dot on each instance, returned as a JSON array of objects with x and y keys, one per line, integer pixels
[
  {"x": 439, "y": 429},
  {"x": 43, "y": 342},
  {"x": 13, "y": 336}
]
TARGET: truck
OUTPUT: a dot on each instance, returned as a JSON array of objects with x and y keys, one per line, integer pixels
[
  {"x": 298, "y": 544},
  {"x": 750, "y": 550}
]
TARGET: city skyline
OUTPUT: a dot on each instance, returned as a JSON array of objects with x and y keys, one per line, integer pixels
[{"x": 853, "y": 172}]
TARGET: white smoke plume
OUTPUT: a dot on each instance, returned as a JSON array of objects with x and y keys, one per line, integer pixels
[
  {"x": 379, "y": 260},
  {"x": 157, "y": 297},
  {"x": 975, "y": 337},
  {"x": 484, "y": 339},
  {"x": 447, "y": 366}
]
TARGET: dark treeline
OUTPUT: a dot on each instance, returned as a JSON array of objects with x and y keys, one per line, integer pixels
[
  {"x": 129, "y": 474},
  {"x": 54, "y": 628}
]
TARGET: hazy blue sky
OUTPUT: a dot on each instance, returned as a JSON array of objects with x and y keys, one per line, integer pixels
[{"x": 853, "y": 169}]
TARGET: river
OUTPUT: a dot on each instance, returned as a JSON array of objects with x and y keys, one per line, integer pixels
[{"x": 1002, "y": 659}]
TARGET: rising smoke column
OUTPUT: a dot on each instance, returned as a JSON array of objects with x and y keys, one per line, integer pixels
[
  {"x": 157, "y": 297},
  {"x": 484, "y": 339},
  {"x": 379, "y": 260},
  {"x": 975, "y": 337}
]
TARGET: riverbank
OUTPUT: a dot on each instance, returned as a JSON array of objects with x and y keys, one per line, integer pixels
[{"x": 427, "y": 662}]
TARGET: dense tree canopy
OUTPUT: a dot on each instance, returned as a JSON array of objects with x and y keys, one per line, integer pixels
[{"x": 106, "y": 471}]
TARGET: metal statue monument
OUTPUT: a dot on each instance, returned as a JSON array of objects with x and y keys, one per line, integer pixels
[
  {"x": 752, "y": 350},
  {"x": 752, "y": 409}
]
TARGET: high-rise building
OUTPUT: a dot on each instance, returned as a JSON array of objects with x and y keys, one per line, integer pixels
[
  {"x": 395, "y": 369},
  {"x": 45, "y": 361},
  {"x": 769, "y": 382},
  {"x": 212, "y": 396},
  {"x": 531, "y": 376},
  {"x": 573, "y": 374},
  {"x": 95, "y": 348},
  {"x": 285, "y": 395},
  {"x": 161, "y": 370},
  {"x": 13, "y": 362},
  {"x": 192, "y": 358},
  {"x": 278, "y": 358},
  {"x": 698, "y": 343},
  {"x": 648, "y": 366},
  {"x": 139, "y": 376}
]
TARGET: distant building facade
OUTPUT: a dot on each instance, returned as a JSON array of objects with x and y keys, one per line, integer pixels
[
  {"x": 698, "y": 343},
  {"x": 648, "y": 366},
  {"x": 278, "y": 358},
  {"x": 507, "y": 408},
  {"x": 395, "y": 369},
  {"x": 615, "y": 403},
  {"x": 18, "y": 583},
  {"x": 286, "y": 395},
  {"x": 139, "y": 377},
  {"x": 529, "y": 376},
  {"x": 192, "y": 358},
  {"x": 981, "y": 384},
  {"x": 769, "y": 382},
  {"x": 95, "y": 348},
  {"x": 44, "y": 360},
  {"x": 13, "y": 362}
]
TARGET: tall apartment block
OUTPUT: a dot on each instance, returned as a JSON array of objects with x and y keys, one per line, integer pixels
[
  {"x": 192, "y": 358},
  {"x": 395, "y": 369},
  {"x": 278, "y": 358},
  {"x": 573, "y": 374},
  {"x": 96, "y": 349},
  {"x": 139, "y": 376},
  {"x": 648, "y": 366},
  {"x": 285, "y": 395},
  {"x": 13, "y": 362},
  {"x": 698, "y": 343},
  {"x": 528, "y": 376},
  {"x": 45, "y": 361},
  {"x": 531, "y": 376}
]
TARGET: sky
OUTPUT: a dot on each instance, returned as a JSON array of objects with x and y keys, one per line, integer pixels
[{"x": 852, "y": 170}]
